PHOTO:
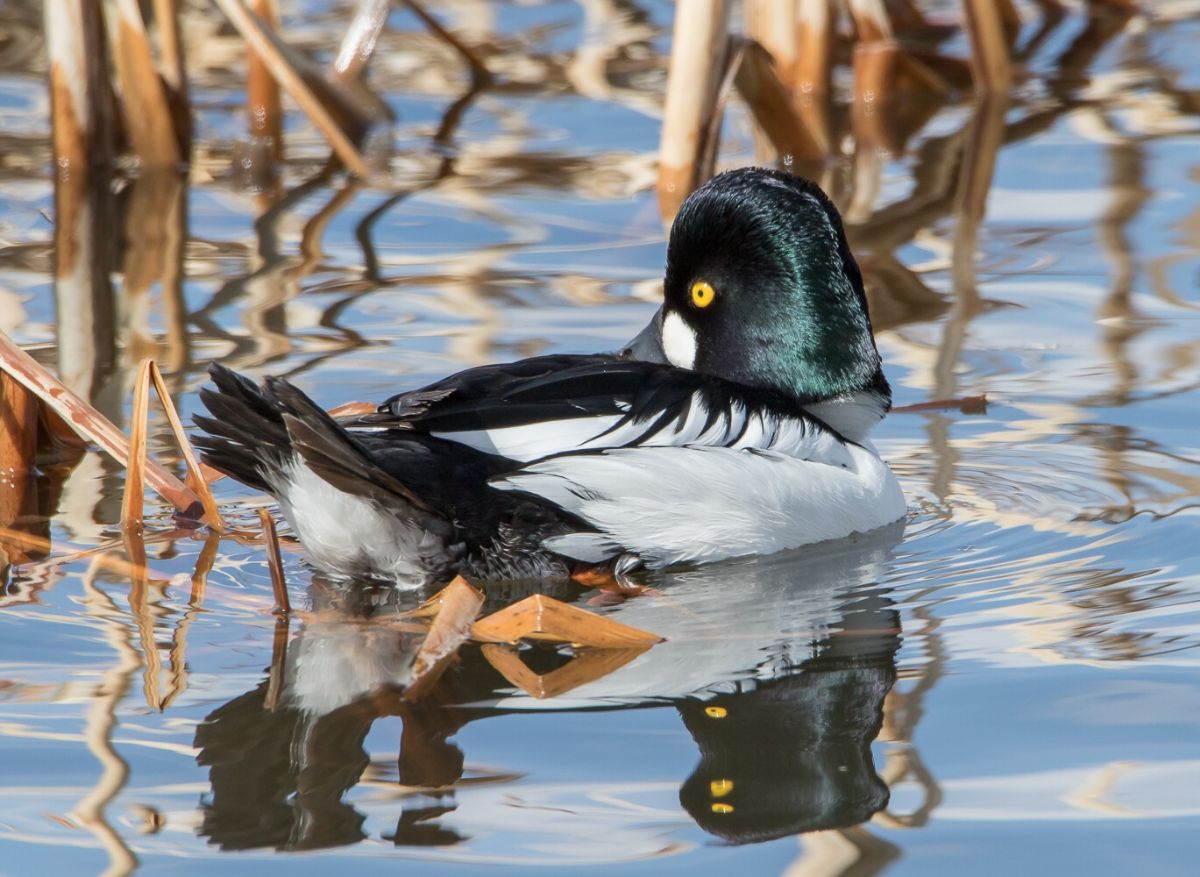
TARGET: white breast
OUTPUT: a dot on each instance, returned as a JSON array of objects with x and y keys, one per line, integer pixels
[{"x": 675, "y": 505}]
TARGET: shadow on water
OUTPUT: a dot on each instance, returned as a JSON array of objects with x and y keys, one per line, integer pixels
[{"x": 781, "y": 701}]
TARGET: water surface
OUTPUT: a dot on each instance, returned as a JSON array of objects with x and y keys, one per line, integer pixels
[{"x": 1003, "y": 683}]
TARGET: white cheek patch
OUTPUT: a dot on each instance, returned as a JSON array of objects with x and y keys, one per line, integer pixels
[{"x": 678, "y": 341}]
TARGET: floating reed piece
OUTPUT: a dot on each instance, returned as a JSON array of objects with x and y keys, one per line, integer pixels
[
  {"x": 458, "y": 604},
  {"x": 544, "y": 619}
]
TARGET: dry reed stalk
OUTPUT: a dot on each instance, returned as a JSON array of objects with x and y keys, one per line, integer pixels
[
  {"x": 588, "y": 665},
  {"x": 358, "y": 45},
  {"x": 815, "y": 37},
  {"x": 82, "y": 125},
  {"x": 332, "y": 111},
  {"x": 132, "y": 502},
  {"x": 895, "y": 94},
  {"x": 871, "y": 20},
  {"x": 18, "y": 447},
  {"x": 1010, "y": 18},
  {"x": 263, "y": 101},
  {"x": 90, "y": 423},
  {"x": 773, "y": 107},
  {"x": 772, "y": 24},
  {"x": 965, "y": 405},
  {"x": 545, "y": 619},
  {"x": 458, "y": 605},
  {"x": 195, "y": 477},
  {"x": 275, "y": 563},
  {"x": 80, "y": 95},
  {"x": 133, "y": 499},
  {"x": 697, "y": 47},
  {"x": 480, "y": 75},
  {"x": 148, "y": 110},
  {"x": 991, "y": 66}
]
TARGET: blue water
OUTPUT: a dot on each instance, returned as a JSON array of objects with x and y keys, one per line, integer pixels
[{"x": 1005, "y": 683}]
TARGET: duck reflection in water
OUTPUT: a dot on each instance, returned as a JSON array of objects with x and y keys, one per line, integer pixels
[{"x": 779, "y": 669}]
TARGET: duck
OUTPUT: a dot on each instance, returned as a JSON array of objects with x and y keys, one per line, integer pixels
[{"x": 736, "y": 423}]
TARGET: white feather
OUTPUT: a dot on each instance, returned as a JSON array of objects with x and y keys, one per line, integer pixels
[
  {"x": 532, "y": 441},
  {"x": 678, "y": 341},
  {"x": 342, "y": 533},
  {"x": 854, "y": 416},
  {"x": 536, "y": 441},
  {"x": 697, "y": 504}
]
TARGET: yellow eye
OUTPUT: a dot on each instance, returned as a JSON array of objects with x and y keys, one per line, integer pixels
[
  {"x": 716, "y": 712},
  {"x": 720, "y": 788},
  {"x": 702, "y": 294}
]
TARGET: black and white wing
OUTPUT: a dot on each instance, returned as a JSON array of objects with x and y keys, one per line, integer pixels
[{"x": 549, "y": 406}]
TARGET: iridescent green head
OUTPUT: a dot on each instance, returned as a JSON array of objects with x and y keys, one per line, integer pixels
[{"x": 761, "y": 289}]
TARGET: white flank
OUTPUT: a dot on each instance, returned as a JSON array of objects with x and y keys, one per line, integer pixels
[
  {"x": 342, "y": 533},
  {"x": 678, "y": 341},
  {"x": 694, "y": 504},
  {"x": 854, "y": 416}
]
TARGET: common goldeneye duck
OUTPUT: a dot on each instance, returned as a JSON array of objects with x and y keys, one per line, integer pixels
[{"x": 734, "y": 424}]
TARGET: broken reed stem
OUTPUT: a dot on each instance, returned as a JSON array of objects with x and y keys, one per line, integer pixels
[
  {"x": 275, "y": 563},
  {"x": 270, "y": 48},
  {"x": 966, "y": 405},
  {"x": 133, "y": 500},
  {"x": 195, "y": 477},
  {"x": 90, "y": 423},
  {"x": 132, "y": 505}
]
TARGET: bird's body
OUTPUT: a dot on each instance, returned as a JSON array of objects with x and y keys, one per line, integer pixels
[{"x": 736, "y": 423}]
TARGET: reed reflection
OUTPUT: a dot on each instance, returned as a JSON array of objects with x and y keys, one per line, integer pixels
[{"x": 782, "y": 693}]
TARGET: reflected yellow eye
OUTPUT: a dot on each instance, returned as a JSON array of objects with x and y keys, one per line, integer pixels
[
  {"x": 715, "y": 712},
  {"x": 722, "y": 808},
  {"x": 702, "y": 294}
]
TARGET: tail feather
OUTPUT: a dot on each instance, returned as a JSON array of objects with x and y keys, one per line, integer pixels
[
  {"x": 255, "y": 434},
  {"x": 246, "y": 436},
  {"x": 332, "y": 452}
]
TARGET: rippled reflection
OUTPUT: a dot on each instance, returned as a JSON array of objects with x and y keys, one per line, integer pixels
[{"x": 782, "y": 702}]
